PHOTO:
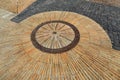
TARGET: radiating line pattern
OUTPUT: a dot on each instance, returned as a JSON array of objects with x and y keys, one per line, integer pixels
[
  {"x": 55, "y": 36},
  {"x": 91, "y": 59}
]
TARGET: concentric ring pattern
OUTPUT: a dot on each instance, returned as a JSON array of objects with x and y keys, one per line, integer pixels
[
  {"x": 92, "y": 58},
  {"x": 55, "y": 36}
]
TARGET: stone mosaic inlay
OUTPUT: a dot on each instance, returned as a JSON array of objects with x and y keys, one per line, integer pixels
[{"x": 55, "y": 36}]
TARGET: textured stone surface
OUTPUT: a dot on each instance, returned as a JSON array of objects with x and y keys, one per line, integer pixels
[
  {"x": 107, "y": 16},
  {"x": 92, "y": 59},
  {"x": 15, "y": 6},
  {"x": 108, "y": 2},
  {"x": 10, "y": 5}
]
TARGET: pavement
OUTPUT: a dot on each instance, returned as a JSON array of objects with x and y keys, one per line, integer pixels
[{"x": 107, "y": 16}]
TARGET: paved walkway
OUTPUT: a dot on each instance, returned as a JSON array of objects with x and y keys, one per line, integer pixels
[
  {"x": 91, "y": 59},
  {"x": 107, "y": 16}
]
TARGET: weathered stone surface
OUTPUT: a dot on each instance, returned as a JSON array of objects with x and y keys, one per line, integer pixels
[
  {"x": 15, "y": 6},
  {"x": 91, "y": 59},
  {"x": 107, "y": 16}
]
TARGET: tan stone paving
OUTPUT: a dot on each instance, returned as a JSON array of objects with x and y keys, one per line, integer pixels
[
  {"x": 15, "y": 6},
  {"x": 91, "y": 59}
]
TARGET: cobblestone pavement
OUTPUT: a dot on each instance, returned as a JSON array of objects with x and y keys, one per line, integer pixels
[{"x": 107, "y": 16}]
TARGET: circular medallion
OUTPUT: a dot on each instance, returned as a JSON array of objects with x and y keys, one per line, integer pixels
[
  {"x": 25, "y": 48},
  {"x": 55, "y": 36}
]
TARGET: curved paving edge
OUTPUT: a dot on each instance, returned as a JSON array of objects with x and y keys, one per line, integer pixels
[{"x": 107, "y": 16}]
